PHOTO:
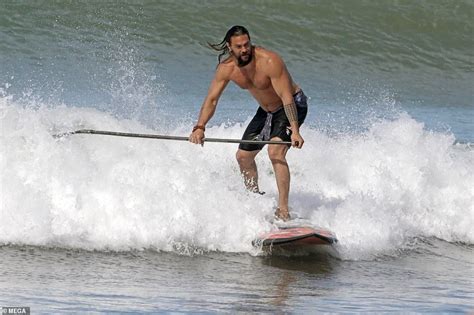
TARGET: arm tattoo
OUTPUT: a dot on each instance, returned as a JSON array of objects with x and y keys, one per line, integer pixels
[{"x": 291, "y": 112}]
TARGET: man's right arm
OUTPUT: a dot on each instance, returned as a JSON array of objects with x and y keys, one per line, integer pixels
[{"x": 218, "y": 84}]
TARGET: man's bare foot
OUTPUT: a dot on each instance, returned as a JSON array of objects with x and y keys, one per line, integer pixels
[
  {"x": 256, "y": 191},
  {"x": 283, "y": 215}
]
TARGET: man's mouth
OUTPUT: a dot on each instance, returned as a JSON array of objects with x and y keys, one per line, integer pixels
[{"x": 245, "y": 59}]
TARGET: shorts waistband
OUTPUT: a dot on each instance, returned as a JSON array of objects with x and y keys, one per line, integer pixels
[{"x": 299, "y": 92}]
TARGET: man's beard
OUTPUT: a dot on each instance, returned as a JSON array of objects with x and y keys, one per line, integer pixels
[{"x": 243, "y": 63}]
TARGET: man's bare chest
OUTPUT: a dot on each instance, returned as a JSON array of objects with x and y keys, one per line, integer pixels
[{"x": 251, "y": 79}]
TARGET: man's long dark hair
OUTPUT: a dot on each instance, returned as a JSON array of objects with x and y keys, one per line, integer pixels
[{"x": 235, "y": 30}]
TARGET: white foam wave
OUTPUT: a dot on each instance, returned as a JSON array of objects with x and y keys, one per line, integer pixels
[{"x": 375, "y": 190}]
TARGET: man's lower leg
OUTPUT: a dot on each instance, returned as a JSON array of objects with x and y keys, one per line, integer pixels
[
  {"x": 282, "y": 176},
  {"x": 248, "y": 169}
]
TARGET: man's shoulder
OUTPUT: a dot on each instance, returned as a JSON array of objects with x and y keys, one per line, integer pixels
[
  {"x": 225, "y": 68},
  {"x": 227, "y": 62},
  {"x": 269, "y": 59},
  {"x": 266, "y": 53}
]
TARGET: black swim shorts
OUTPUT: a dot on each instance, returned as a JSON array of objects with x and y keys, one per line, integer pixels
[{"x": 279, "y": 124}]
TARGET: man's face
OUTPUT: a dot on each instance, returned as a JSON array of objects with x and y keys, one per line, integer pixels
[{"x": 241, "y": 49}]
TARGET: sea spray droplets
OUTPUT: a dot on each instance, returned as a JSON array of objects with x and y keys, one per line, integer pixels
[
  {"x": 396, "y": 181},
  {"x": 376, "y": 190}
]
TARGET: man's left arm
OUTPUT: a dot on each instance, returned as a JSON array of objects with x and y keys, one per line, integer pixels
[{"x": 282, "y": 84}]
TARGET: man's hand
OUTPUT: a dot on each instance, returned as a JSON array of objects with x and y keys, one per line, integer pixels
[
  {"x": 296, "y": 140},
  {"x": 197, "y": 137}
]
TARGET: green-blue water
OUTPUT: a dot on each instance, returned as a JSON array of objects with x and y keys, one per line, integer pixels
[{"x": 93, "y": 53}]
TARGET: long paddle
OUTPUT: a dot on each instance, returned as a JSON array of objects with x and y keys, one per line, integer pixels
[{"x": 162, "y": 137}]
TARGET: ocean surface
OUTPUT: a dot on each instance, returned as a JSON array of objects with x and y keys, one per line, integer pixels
[{"x": 93, "y": 223}]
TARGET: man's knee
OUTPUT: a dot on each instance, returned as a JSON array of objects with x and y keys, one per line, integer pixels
[
  {"x": 245, "y": 157},
  {"x": 277, "y": 153}
]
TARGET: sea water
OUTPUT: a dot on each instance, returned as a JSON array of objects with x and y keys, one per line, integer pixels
[{"x": 103, "y": 224}]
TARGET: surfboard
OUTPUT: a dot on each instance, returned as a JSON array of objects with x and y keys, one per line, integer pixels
[{"x": 302, "y": 235}]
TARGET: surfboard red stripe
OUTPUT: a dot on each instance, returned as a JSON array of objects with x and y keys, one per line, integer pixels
[{"x": 297, "y": 236}]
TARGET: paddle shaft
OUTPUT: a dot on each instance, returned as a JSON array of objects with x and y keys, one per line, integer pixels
[{"x": 163, "y": 137}]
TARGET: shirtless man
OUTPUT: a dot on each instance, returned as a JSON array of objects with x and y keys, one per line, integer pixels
[{"x": 282, "y": 108}]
